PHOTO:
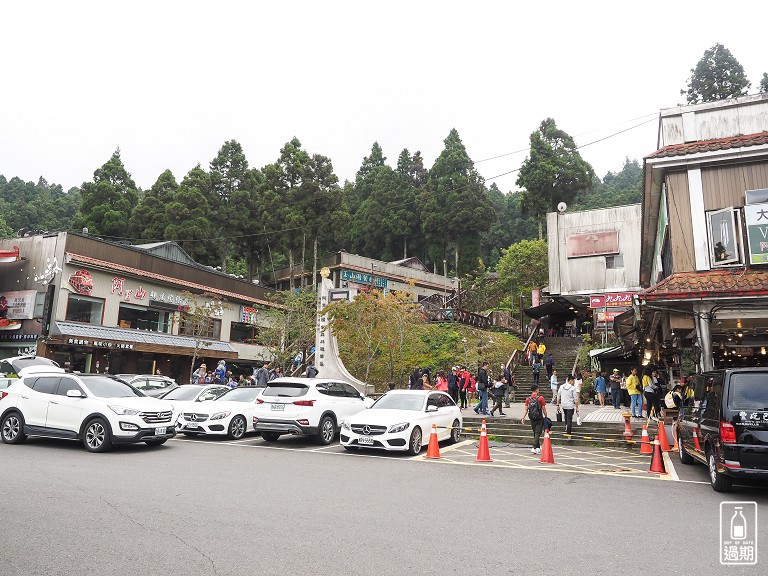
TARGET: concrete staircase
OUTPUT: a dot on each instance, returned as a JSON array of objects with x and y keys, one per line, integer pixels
[
  {"x": 599, "y": 434},
  {"x": 564, "y": 350}
]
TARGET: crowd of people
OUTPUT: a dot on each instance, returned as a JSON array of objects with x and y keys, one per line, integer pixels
[{"x": 259, "y": 377}]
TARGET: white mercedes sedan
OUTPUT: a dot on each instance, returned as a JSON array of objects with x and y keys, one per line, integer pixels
[
  {"x": 230, "y": 414},
  {"x": 402, "y": 420}
]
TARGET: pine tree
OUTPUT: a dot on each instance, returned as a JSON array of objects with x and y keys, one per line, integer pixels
[{"x": 717, "y": 76}]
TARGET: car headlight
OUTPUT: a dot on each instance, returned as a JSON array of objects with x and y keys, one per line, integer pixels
[
  {"x": 345, "y": 426},
  {"x": 399, "y": 427},
  {"x": 220, "y": 415},
  {"x": 124, "y": 411}
]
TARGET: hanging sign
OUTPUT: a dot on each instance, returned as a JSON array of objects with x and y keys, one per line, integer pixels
[
  {"x": 18, "y": 305},
  {"x": 756, "y": 216}
]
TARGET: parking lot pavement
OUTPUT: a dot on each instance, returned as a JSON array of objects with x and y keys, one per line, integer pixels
[{"x": 616, "y": 462}]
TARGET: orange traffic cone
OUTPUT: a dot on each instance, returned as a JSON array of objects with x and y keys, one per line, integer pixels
[
  {"x": 662, "y": 436},
  {"x": 483, "y": 454},
  {"x": 433, "y": 450},
  {"x": 657, "y": 462},
  {"x": 627, "y": 428},
  {"x": 675, "y": 448},
  {"x": 696, "y": 444},
  {"x": 645, "y": 444},
  {"x": 547, "y": 457}
]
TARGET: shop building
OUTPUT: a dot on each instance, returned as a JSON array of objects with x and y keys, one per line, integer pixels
[
  {"x": 704, "y": 249},
  {"x": 102, "y": 306}
]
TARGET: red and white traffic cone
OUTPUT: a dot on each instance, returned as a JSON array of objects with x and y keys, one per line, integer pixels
[
  {"x": 547, "y": 457},
  {"x": 433, "y": 450},
  {"x": 663, "y": 440},
  {"x": 696, "y": 444},
  {"x": 657, "y": 462},
  {"x": 483, "y": 454},
  {"x": 645, "y": 444}
]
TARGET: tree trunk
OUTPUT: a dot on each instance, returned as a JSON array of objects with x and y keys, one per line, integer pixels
[
  {"x": 290, "y": 269},
  {"x": 314, "y": 267},
  {"x": 303, "y": 259},
  {"x": 456, "y": 253},
  {"x": 540, "y": 231},
  {"x": 405, "y": 248}
]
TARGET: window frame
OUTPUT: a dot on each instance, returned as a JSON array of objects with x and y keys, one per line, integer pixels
[{"x": 81, "y": 297}]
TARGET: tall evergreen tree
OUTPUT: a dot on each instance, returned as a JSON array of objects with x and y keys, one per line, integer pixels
[
  {"x": 150, "y": 218},
  {"x": 108, "y": 201},
  {"x": 455, "y": 208},
  {"x": 717, "y": 76},
  {"x": 191, "y": 219},
  {"x": 228, "y": 172},
  {"x": 553, "y": 172},
  {"x": 764, "y": 82}
]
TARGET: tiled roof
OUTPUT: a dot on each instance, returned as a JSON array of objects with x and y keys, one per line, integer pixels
[
  {"x": 138, "y": 336},
  {"x": 167, "y": 279},
  {"x": 715, "y": 283},
  {"x": 711, "y": 145}
]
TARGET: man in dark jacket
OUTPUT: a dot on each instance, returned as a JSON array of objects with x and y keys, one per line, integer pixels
[
  {"x": 549, "y": 364},
  {"x": 506, "y": 377},
  {"x": 453, "y": 384},
  {"x": 414, "y": 382},
  {"x": 482, "y": 390}
]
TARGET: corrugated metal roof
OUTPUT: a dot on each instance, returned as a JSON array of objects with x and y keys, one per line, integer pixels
[{"x": 138, "y": 336}]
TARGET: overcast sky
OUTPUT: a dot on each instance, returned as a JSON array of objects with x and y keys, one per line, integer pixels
[{"x": 168, "y": 82}]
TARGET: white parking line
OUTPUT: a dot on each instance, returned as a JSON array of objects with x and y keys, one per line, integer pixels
[{"x": 670, "y": 467}]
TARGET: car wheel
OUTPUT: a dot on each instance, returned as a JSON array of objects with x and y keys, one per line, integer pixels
[
  {"x": 13, "y": 428},
  {"x": 685, "y": 458},
  {"x": 156, "y": 442},
  {"x": 326, "y": 431},
  {"x": 97, "y": 437},
  {"x": 414, "y": 445},
  {"x": 720, "y": 482},
  {"x": 455, "y": 432},
  {"x": 237, "y": 428},
  {"x": 270, "y": 436}
]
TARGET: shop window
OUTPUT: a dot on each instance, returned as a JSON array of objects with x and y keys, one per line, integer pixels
[
  {"x": 84, "y": 309},
  {"x": 724, "y": 231},
  {"x": 616, "y": 261},
  {"x": 245, "y": 333},
  {"x": 141, "y": 318},
  {"x": 208, "y": 328}
]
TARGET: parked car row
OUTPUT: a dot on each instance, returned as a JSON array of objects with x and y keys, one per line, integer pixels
[{"x": 102, "y": 410}]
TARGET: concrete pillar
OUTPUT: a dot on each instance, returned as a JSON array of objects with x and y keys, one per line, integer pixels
[{"x": 705, "y": 338}]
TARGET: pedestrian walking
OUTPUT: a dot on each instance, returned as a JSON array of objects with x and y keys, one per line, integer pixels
[
  {"x": 463, "y": 380},
  {"x": 441, "y": 382},
  {"x": 568, "y": 401},
  {"x": 425, "y": 382},
  {"x": 509, "y": 380},
  {"x": 198, "y": 376},
  {"x": 482, "y": 390},
  {"x": 553, "y": 386},
  {"x": 540, "y": 349},
  {"x": 536, "y": 370},
  {"x": 652, "y": 393},
  {"x": 532, "y": 352},
  {"x": 499, "y": 387},
  {"x": 312, "y": 370},
  {"x": 615, "y": 381},
  {"x": 276, "y": 373},
  {"x": 414, "y": 381},
  {"x": 635, "y": 394},
  {"x": 600, "y": 387},
  {"x": 549, "y": 364},
  {"x": 536, "y": 410}
]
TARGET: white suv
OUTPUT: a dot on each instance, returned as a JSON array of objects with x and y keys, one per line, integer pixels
[
  {"x": 97, "y": 409},
  {"x": 306, "y": 406}
]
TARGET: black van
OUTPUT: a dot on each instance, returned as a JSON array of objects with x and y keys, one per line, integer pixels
[{"x": 723, "y": 423}]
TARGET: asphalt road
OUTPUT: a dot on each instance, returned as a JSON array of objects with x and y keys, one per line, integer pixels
[{"x": 203, "y": 508}]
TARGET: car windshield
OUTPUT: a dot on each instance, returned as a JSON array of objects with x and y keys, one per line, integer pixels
[
  {"x": 285, "y": 390},
  {"x": 102, "y": 387},
  {"x": 21, "y": 363},
  {"x": 241, "y": 395},
  {"x": 189, "y": 392},
  {"x": 153, "y": 384},
  {"x": 748, "y": 391},
  {"x": 399, "y": 402}
]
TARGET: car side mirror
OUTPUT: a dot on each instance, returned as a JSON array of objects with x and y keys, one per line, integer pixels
[
  {"x": 74, "y": 394},
  {"x": 431, "y": 408}
]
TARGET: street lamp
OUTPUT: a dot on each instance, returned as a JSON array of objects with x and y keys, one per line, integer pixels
[{"x": 466, "y": 357}]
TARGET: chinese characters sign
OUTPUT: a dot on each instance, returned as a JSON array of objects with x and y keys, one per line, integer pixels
[
  {"x": 362, "y": 278},
  {"x": 18, "y": 305},
  {"x": 248, "y": 315},
  {"x": 756, "y": 216},
  {"x": 118, "y": 285}
]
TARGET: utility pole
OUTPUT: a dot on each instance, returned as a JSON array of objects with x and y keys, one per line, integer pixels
[{"x": 522, "y": 329}]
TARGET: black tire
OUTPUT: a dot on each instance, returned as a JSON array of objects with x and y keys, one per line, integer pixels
[
  {"x": 156, "y": 442},
  {"x": 270, "y": 436},
  {"x": 326, "y": 431},
  {"x": 455, "y": 432},
  {"x": 96, "y": 436},
  {"x": 12, "y": 428},
  {"x": 414, "y": 444},
  {"x": 720, "y": 482},
  {"x": 685, "y": 458},
  {"x": 237, "y": 428}
]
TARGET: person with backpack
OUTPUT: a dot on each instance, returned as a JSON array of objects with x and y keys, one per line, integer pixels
[
  {"x": 482, "y": 390},
  {"x": 536, "y": 410},
  {"x": 549, "y": 364},
  {"x": 463, "y": 377},
  {"x": 509, "y": 380},
  {"x": 311, "y": 370},
  {"x": 568, "y": 401},
  {"x": 261, "y": 375},
  {"x": 499, "y": 388}
]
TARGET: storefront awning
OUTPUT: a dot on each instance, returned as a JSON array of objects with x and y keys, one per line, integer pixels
[
  {"x": 86, "y": 335},
  {"x": 546, "y": 309},
  {"x": 625, "y": 329}
]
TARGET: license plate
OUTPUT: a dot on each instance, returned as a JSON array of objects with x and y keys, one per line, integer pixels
[
  {"x": 278, "y": 407},
  {"x": 192, "y": 425},
  {"x": 159, "y": 431},
  {"x": 365, "y": 440}
]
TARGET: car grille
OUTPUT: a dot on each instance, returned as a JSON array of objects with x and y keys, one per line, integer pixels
[
  {"x": 192, "y": 417},
  {"x": 156, "y": 417},
  {"x": 373, "y": 430}
]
